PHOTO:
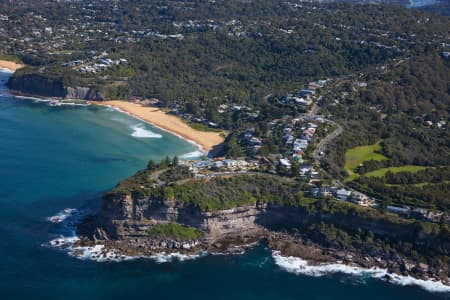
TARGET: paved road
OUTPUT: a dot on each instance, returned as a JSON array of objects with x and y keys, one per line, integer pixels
[
  {"x": 155, "y": 176},
  {"x": 314, "y": 110},
  {"x": 326, "y": 140}
]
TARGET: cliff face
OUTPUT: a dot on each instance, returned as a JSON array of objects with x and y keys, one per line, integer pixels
[
  {"x": 37, "y": 85},
  {"x": 41, "y": 86},
  {"x": 126, "y": 217},
  {"x": 124, "y": 222},
  {"x": 82, "y": 93}
]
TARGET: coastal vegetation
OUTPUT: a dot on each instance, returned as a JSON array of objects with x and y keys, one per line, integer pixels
[
  {"x": 415, "y": 186},
  {"x": 201, "y": 55},
  {"x": 202, "y": 127},
  {"x": 406, "y": 108},
  {"x": 230, "y": 66},
  {"x": 432, "y": 252},
  {"x": 176, "y": 184},
  {"x": 225, "y": 64},
  {"x": 281, "y": 207},
  {"x": 221, "y": 193},
  {"x": 225, "y": 193},
  {"x": 174, "y": 231},
  {"x": 12, "y": 58}
]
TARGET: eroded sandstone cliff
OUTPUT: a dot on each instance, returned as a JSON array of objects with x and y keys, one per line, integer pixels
[
  {"x": 42, "y": 86},
  {"x": 365, "y": 238}
]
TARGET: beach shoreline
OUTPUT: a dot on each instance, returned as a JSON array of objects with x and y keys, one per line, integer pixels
[
  {"x": 205, "y": 140},
  {"x": 10, "y": 65}
]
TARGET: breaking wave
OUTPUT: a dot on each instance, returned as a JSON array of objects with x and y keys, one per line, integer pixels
[
  {"x": 139, "y": 131},
  {"x": 192, "y": 155}
]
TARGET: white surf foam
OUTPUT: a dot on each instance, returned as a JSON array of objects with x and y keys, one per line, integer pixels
[
  {"x": 64, "y": 242},
  {"x": 97, "y": 253},
  {"x": 429, "y": 285},
  {"x": 100, "y": 253},
  {"x": 6, "y": 71},
  {"x": 139, "y": 131},
  {"x": 51, "y": 102},
  {"x": 192, "y": 155},
  {"x": 73, "y": 104},
  {"x": 62, "y": 215},
  {"x": 67, "y": 241},
  {"x": 199, "y": 147},
  {"x": 164, "y": 257},
  {"x": 300, "y": 266},
  {"x": 4, "y": 77}
]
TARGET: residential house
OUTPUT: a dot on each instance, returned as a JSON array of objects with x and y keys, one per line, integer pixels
[
  {"x": 306, "y": 93},
  {"x": 400, "y": 210},
  {"x": 343, "y": 194},
  {"x": 361, "y": 199},
  {"x": 285, "y": 163},
  {"x": 230, "y": 163}
]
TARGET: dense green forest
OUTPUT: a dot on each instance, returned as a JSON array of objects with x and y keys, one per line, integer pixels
[
  {"x": 389, "y": 77},
  {"x": 405, "y": 108},
  {"x": 230, "y": 51}
]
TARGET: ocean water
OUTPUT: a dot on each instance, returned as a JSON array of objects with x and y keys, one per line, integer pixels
[{"x": 52, "y": 158}]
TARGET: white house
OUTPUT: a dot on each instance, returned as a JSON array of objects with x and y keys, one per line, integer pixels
[
  {"x": 286, "y": 163},
  {"x": 343, "y": 194}
]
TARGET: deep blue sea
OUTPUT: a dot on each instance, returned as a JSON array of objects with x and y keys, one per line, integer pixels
[{"x": 52, "y": 158}]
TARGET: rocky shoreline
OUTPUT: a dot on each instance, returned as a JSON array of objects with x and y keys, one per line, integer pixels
[
  {"x": 318, "y": 237},
  {"x": 316, "y": 254},
  {"x": 286, "y": 244}
]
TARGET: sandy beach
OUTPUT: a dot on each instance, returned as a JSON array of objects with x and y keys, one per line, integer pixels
[
  {"x": 4, "y": 64},
  {"x": 155, "y": 116}
]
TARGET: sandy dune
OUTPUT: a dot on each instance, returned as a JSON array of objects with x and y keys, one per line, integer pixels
[{"x": 207, "y": 140}]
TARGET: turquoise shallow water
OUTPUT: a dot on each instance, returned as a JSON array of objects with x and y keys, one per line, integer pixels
[{"x": 52, "y": 158}]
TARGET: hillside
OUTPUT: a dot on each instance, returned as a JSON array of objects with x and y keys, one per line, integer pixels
[{"x": 140, "y": 217}]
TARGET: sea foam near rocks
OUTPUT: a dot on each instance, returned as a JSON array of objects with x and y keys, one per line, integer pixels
[
  {"x": 62, "y": 215},
  {"x": 4, "y": 77},
  {"x": 298, "y": 265},
  {"x": 100, "y": 253},
  {"x": 51, "y": 102},
  {"x": 168, "y": 257},
  {"x": 68, "y": 242}
]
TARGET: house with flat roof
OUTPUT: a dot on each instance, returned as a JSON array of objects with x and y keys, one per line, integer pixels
[{"x": 343, "y": 194}]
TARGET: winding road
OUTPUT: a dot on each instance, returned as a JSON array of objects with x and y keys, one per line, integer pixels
[{"x": 326, "y": 140}]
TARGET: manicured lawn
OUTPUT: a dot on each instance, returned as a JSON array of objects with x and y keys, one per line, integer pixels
[
  {"x": 356, "y": 156},
  {"x": 381, "y": 172}
]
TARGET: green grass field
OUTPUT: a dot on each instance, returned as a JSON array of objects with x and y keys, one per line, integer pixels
[
  {"x": 381, "y": 172},
  {"x": 356, "y": 156}
]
